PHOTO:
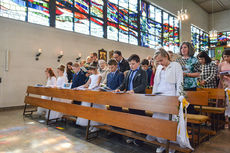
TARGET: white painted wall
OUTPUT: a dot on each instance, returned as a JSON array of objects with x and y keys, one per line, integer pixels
[
  {"x": 197, "y": 15},
  {"x": 221, "y": 21},
  {"x": 23, "y": 40}
]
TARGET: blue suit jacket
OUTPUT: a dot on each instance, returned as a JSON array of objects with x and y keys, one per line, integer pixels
[
  {"x": 79, "y": 79},
  {"x": 114, "y": 81},
  {"x": 149, "y": 73}
]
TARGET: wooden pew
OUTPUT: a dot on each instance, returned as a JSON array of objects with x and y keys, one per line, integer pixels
[
  {"x": 131, "y": 122},
  {"x": 216, "y": 95},
  {"x": 198, "y": 98}
]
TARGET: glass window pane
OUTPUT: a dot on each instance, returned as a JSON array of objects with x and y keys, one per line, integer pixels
[
  {"x": 38, "y": 12},
  {"x": 143, "y": 23},
  {"x": 123, "y": 34},
  {"x": 133, "y": 20},
  {"x": 96, "y": 27},
  {"x": 97, "y": 8},
  {"x": 144, "y": 39},
  {"x": 112, "y": 31},
  {"x": 113, "y": 1},
  {"x": 82, "y": 6},
  {"x": 133, "y": 6},
  {"x": 158, "y": 15},
  {"x": 14, "y": 9},
  {"x": 165, "y": 18},
  {"x": 152, "y": 12},
  {"x": 133, "y": 37},
  {"x": 65, "y": 3},
  {"x": 81, "y": 23},
  {"x": 143, "y": 9},
  {"x": 112, "y": 11},
  {"x": 171, "y": 21},
  {"x": 64, "y": 20},
  {"x": 123, "y": 16},
  {"x": 124, "y": 3}
]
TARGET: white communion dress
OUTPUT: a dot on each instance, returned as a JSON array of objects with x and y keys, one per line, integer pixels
[
  {"x": 60, "y": 84},
  {"x": 84, "y": 122},
  {"x": 167, "y": 89},
  {"x": 51, "y": 82}
]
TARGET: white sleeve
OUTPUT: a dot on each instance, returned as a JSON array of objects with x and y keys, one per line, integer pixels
[
  {"x": 179, "y": 78},
  {"x": 53, "y": 82},
  {"x": 155, "y": 85}
]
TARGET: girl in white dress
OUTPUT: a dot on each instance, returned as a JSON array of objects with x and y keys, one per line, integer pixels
[
  {"x": 61, "y": 80},
  {"x": 168, "y": 81},
  {"x": 51, "y": 82},
  {"x": 93, "y": 82}
]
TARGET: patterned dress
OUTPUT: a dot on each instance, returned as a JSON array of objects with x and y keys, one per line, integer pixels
[
  {"x": 189, "y": 65},
  {"x": 208, "y": 74}
]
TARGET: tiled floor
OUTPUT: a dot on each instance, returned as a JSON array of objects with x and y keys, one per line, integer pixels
[{"x": 27, "y": 135}]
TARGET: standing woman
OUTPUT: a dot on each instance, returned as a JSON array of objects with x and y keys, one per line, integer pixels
[
  {"x": 168, "y": 81},
  {"x": 69, "y": 71},
  {"x": 51, "y": 82},
  {"x": 190, "y": 67},
  {"x": 207, "y": 78},
  {"x": 225, "y": 80}
]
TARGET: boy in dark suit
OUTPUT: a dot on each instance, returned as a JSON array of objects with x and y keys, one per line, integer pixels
[
  {"x": 114, "y": 79},
  {"x": 145, "y": 66},
  {"x": 79, "y": 78},
  {"x": 135, "y": 82},
  {"x": 136, "y": 79}
]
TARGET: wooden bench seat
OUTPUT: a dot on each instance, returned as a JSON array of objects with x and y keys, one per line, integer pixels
[
  {"x": 197, "y": 119},
  {"x": 216, "y": 112},
  {"x": 131, "y": 122},
  {"x": 207, "y": 109}
]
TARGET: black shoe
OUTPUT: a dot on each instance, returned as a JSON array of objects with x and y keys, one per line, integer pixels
[{"x": 137, "y": 142}]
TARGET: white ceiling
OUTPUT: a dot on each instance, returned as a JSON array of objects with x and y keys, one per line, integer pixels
[{"x": 218, "y": 5}]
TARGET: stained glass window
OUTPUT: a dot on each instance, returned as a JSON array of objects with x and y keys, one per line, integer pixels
[
  {"x": 38, "y": 12},
  {"x": 82, "y": 6},
  {"x": 96, "y": 27},
  {"x": 64, "y": 14},
  {"x": 15, "y": 9},
  {"x": 81, "y": 23},
  {"x": 112, "y": 12},
  {"x": 153, "y": 27},
  {"x": 97, "y": 8},
  {"x": 112, "y": 31},
  {"x": 199, "y": 39}
]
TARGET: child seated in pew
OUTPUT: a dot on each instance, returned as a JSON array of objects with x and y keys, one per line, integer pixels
[
  {"x": 51, "y": 82},
  {"x": 168, "y": 81},
  {"x": 93, "y": 82}
]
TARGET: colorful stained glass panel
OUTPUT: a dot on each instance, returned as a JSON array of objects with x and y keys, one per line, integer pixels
[
  {"x": 112, "y": 31},
  {"x": 81, "y": 23},
  {"x": 123, "y": 34},
  {"x": 96, "y": 27},
  {"x": 64, "y": 19},
  {"x": 14, "y": 9},
  {"x": 82, "y": 6},
  {"x": 38, "y": 12},
  {"x": 133, "y": 37},
  {"x": 112, "y": 12},
  {"x": 97, "y": 8}
]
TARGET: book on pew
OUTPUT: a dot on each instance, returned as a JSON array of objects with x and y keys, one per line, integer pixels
[
  {"x": 225, "y": 73},
  {"x": 154, "y": 94}
]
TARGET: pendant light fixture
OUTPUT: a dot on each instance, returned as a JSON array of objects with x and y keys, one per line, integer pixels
[
  {"x": 213, "y": 33},
  {"x": 182, "y": 14}
]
